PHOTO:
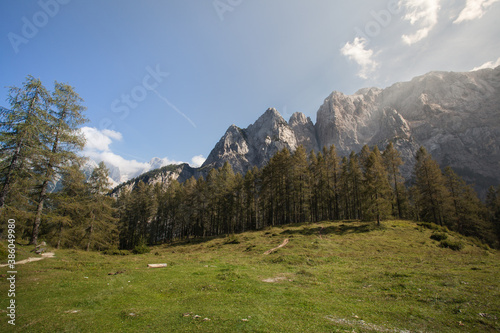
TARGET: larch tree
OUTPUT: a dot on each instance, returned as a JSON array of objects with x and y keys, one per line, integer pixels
[
  {"x": 70, "y": 205},
  {"x": 377, "y": 188},
  {"x": 355, "y": 177},
  {"x": 23, "y": 129},
  {"x": 333, "y": 165},
  {"x": 434, "y": 198},
  {"x": 61, "y": 142},
  {"x": 392, "y": 161},
  {"x": 101, "y": 227},
  {"x": 468, "y": 214},
  {"x": 300, "y": 185}
]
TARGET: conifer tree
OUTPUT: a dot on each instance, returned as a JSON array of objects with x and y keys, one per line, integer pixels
[
  {"x": 392, "y": 161},
  {"x": 434, "y": 198},
  {"x": 300, "y": 185},
  {"x": 70, "y": 205},
  {"x": 376, "y": 187},
  {"x": 61, "y": 142},
  {"x": 493, "y": 206},
  {"x": 332, "y": 161},
  {"x": 355, "y": 176},
  {"x": 101, "y": 230},
  {"x": 24, "y": 127},
  {"x": 314, "y": 171},
  {"x": 226, "y": 184},
  {"x": 345, "y": 189},
  {"x": 468, "y": 214},
  {"x": 251, "y": 188}
]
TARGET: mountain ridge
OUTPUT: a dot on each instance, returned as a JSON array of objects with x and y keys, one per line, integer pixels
[{"x": 455, "y": 115}]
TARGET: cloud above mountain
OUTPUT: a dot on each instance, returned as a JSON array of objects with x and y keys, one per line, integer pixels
[
  {"x": 489, "y": 64},
  {"x": 474, "y": 9},
  {"x": 422, "y": 14},
  {"x": 357, "y": 51},
  {"x": 98, "y": 148}
]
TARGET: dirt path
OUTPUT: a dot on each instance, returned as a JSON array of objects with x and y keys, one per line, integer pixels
[
  {"x": 281, "y": 245},
  {"x": 44, "y": 255}
]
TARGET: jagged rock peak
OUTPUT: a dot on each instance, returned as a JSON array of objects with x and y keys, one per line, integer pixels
[
  {"x": 305, "y": 133},
  {"x": 233, "y": 128},
  {"x": 298, "y": 118},
  {"x": 271, "y": 114}
]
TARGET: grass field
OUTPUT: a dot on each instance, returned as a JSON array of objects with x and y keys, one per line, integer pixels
[{"x": 330, "y": 277}]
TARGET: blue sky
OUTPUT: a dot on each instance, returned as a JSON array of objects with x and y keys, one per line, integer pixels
[{"x": 166, "y": 78}]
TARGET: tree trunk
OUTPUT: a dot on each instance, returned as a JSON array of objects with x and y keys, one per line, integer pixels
[
  {"x": 91, "y": 230},
  {"x": 12, "y": 167},
  {"x": 60, "y": 236},
  {"x": 43, "y": 193},
  {"x": 38, "y": 216}
]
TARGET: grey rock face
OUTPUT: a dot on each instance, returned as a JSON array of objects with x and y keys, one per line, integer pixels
[
  {"x": 305, "y": 133},
  {"x": 456, "y": 116},
  {"x": 254, "y": 145}
]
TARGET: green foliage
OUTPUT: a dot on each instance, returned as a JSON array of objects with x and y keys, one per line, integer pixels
[
  {"x": 39, "y": 136},
  {"x": 439, "y": 236},
  {"x": 453, "y": 245},
  {"x": 141, "y": 247},
  {"x": 429, "y": 225},
  {"x": 433, "y": 197},
  {"x": 377, "y": 190},
  {"x": 3, "y": 252},
  {"x": 232, "y": 240},
  {"x": 116, "y": 252},
  {"x": 294, "y": 188}
]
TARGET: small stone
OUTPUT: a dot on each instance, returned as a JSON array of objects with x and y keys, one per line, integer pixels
[{"x": 206, "y": 319}]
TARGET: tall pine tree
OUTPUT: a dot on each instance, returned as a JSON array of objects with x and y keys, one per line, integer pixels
[{"x": 61, "y": 142}]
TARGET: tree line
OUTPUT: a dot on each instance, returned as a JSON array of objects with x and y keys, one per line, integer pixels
[
  {"x": 299, "y": 187},
  {"x": 39, "y": 144}
]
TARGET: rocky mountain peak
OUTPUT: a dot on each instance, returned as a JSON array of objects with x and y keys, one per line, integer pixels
[
  {"x": 305, "y": 134},
  {"x": 455, "y": 116},
  {"x": 298, "y": 118}
]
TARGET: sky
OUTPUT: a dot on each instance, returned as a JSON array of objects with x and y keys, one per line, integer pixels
[{"x": 166, "y": 78}]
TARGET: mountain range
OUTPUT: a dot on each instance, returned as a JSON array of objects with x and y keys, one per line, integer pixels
[{"x": 455, "y": 116}]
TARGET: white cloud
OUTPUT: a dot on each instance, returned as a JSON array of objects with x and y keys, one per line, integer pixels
[
  {"x": 489, "y": 64},
  {"x": 121, "y": 169},
  {"x": 197, "y": 161},
  {"x": 474, "y": 9},
  {"x": 363, "y": 57},
  {"x": 99, "y": 140},
  {"x": 424, "y": 14}
]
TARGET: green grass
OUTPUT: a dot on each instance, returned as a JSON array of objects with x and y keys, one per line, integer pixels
[{"x": 330, "y": 277}]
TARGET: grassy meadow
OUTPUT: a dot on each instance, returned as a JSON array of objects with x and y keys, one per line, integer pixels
[{"x": 330, "y": 277}]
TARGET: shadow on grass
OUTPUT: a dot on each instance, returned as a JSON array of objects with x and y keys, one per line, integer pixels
[
  {"x": 340, "y": 229},
  {"x": 229, "y": 239}
]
